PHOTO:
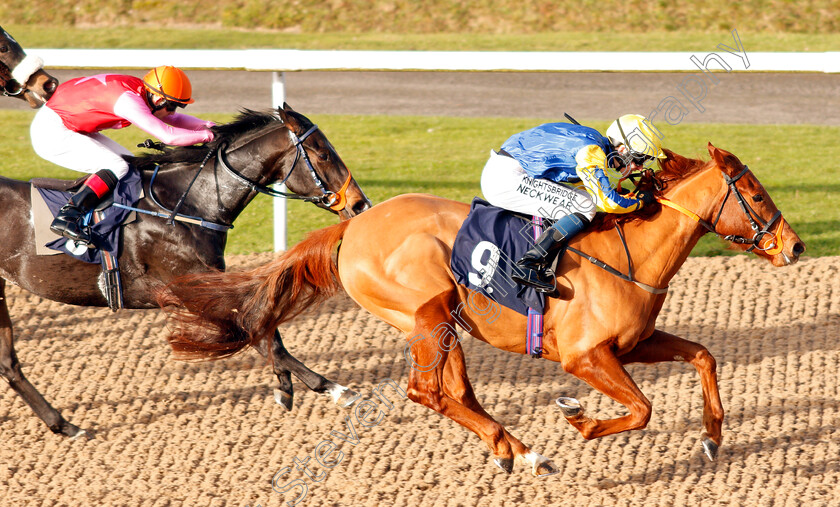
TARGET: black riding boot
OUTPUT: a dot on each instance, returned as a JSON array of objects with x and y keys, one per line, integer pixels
[
  {"x": 533, "y": 268},
  {"x": 94, "y": 190}
]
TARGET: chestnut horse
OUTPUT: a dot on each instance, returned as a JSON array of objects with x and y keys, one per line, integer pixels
[
  {"x": 394, "y": 261},
  {"x": 210, "y": 185},
  {"x": 22, "y": 76}
]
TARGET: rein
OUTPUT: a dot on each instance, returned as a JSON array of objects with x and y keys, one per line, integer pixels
[
  {"x": 173, "y": 215},
  {"x": 334, "y": 200},
  {"x": 629, "y": 277},
  {"x": 757, "y": 224}
]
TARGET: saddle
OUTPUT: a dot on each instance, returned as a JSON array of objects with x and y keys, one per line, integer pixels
[
  {"x": 485, "y": 252},
  {"x": 48, "y": 195},
  {"x": 484, "y": 257}
]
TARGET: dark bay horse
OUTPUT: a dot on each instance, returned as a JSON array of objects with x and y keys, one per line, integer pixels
[
  {"x": 22, "y": 76},
  {"x": 394, "y": 261},
  {"x": 259, "y": 149}
]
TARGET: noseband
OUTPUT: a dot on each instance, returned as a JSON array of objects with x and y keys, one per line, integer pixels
[
  {"x": 20, "y": 75},
  {"x": 336, "y": 201},
  {"x": 757, "y": 224}
]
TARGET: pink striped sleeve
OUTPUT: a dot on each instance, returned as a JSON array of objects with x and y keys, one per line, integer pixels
[
  {"x": 186, "y": 121},
  {"x": 133, "y": 108}
]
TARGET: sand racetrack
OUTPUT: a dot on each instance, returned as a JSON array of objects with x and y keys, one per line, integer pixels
[{"x": 173, "y": 433}]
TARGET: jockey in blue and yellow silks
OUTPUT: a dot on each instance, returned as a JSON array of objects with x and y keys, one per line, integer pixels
[{"x": 567, "y": 172}]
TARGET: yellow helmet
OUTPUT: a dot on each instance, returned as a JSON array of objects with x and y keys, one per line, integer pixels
[
  {"x": 170, "y": 83},
  {"x": 638, "y": 134}
]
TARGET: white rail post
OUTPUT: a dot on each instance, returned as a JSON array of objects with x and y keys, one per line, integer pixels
[{"x": 278, "y": 97}]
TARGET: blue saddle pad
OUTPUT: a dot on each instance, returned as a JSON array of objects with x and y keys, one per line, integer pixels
[
  {"x": 105, "y": 234},
  {"x": 486, "y": 248}
]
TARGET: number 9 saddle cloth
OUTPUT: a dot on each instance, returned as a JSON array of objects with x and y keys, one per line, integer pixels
[{"x": 485, "y": 251}]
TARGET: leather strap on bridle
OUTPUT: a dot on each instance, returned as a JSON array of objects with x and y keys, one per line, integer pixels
[
  {"x": 629, "y": 277},
  {"x": 336, "y": 201},
  {"x": 757, "y": 224}
]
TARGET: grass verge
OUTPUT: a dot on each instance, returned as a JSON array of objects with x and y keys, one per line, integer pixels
[{"x": 150, "y": 37}]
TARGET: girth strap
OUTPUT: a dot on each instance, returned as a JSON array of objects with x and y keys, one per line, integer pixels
[
  {"x": 111, "y": 274},
  {"x": 534, "y": 332}
]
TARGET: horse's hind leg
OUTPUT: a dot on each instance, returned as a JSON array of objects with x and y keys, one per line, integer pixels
[
  {"x": 285, "y": 363},
  {"x": 664, "y": 347},
  {"x": 11, "y": 371}
]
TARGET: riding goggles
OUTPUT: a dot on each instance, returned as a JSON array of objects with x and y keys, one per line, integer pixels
[{"x": 171, "y": 105}]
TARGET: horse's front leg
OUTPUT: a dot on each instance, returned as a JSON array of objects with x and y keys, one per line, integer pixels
[
  {"x": 285, "y": 364},
  {"x": 600, "y": 368},
  {"x": 663, "y": 347},
  {"x": 11, "y": 371}
]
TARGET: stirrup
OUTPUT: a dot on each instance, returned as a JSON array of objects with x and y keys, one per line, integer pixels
[
  {"x": 540, "y": 281},
  {"x": 64, "y": 228}
]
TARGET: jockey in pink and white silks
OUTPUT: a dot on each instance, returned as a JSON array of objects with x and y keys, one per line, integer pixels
[
  {"x": 567, "y": 172},
  {"x": 67, "y": 131}
]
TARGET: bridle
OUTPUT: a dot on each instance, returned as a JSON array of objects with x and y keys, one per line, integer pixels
[
  {"x": 19, "y": 76},
  {"x": 336, "y": 201},
  {"x": 11, "y": 87},
  {"x": 757, "y": 224}
]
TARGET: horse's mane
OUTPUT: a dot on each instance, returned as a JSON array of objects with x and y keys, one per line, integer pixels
[
  {"x": 673, "y": 168},
  {"x": 247, "y": 122}
]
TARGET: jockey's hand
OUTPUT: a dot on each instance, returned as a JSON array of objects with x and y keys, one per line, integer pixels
[
  {"x": 151, "y": 145},
  {"x": 646, "y": 196}
]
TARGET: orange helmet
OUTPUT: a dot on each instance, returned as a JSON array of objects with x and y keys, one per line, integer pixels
[{"x": 170, "y": 83}]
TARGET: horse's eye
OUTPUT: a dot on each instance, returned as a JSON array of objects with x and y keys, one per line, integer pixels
[
  {"x": 4, "y": 49},
  {"x": 323, "y": 155},
  {"x": 758, "y": 198}
]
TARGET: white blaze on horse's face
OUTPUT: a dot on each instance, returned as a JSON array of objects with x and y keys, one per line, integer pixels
[{"x": 8, "y": 36}]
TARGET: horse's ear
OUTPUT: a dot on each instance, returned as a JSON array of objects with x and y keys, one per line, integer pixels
[
  {"x": 288, "y": 119},
  {"x": 728, "y": 162}
]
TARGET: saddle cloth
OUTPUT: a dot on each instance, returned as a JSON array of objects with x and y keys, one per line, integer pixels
[
  {"x": 485, "y": 251},
  {"x": 105, "y": 234}
]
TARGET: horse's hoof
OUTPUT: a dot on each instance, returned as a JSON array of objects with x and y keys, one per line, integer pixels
[
  {"x": 569, "y": 406},
  {"x": 710, "y": 449},
  {"x": 343, "y": 397},
  {"x": 69, "y": 430},
  {"x": 540, "y": 465},
  {"x": 505, "y": 464},
  {"x": 81, "y": 435},
  {"x": 76, "y": 433},
  {"x": 283, "y": 398},
  {"x": 545, "y": 469},
  {"x": 347, "y": 398}
]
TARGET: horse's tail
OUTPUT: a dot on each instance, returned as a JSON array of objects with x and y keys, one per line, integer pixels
[{"x": 217, "y": 314}]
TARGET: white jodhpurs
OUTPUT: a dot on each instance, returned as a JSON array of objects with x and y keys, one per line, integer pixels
[
  {"x": 86, "y": 153},
  {"x": 506, "y": 185}
]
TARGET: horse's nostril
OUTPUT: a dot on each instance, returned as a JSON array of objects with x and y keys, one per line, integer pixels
[
  {"x": 798, "y": 249},
  {"x": 51, "y": 85},
  {"x": 361, "y": 206}
]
